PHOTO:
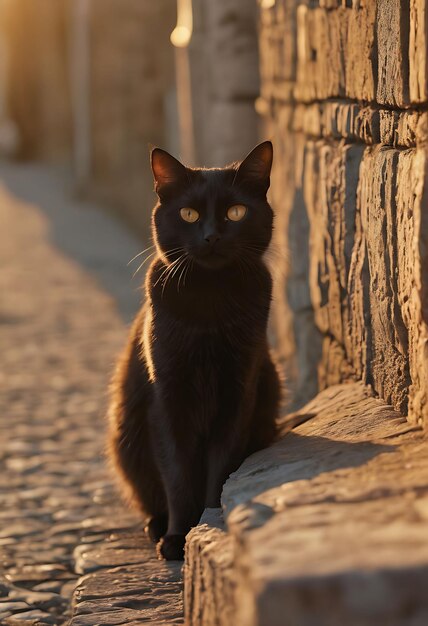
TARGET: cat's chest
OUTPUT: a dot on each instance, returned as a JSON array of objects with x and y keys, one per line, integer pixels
[
  {"x": 215, "y": 310},
  {"x": 214, "y": 354},
  {"x": 206, "y": 338},
  {"x": 210, "y": 333},
  {"x": 186, "y": 342}
]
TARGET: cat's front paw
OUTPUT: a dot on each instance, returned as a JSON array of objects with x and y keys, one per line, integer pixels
[
  {"x": 156, "y": 528},
  {"x": 171, "y": 547}
]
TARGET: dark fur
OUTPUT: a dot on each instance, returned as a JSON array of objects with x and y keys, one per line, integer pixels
[{"x": 196, "y": 390}]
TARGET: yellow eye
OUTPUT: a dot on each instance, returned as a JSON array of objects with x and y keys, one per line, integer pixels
[
  {"x": 189, "y": 215},
  {"x": 236, "y": 212}
]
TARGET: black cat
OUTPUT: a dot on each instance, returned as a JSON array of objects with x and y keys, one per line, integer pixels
[{"x": 196, "y": 390}]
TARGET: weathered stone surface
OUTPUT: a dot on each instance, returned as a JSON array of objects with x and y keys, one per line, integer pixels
[
  {"x": 418, "y": 72},
  {"x": 370, "y": 51},
  {"x": 89, "y": 557},
  {"x": 349, "y": 187},
  {"x": 126, "y": 584},
  {"x": 365, "y": 207},
  {"x": 34, "y": 617},
  {"x": 328, "y": 526},
  {"x": 368, "y": 124},
  {"x": 208, "y": 581}
]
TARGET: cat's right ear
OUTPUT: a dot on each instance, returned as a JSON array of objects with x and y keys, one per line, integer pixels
[{"x": 167, "y": 170}]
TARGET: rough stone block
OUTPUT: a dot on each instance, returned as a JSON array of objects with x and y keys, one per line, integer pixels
[
  {"x": 418, "y": 46},
  {"x": 209, "y": 587},
  {"x": 392, "y": 40},
  {"x": 353, "y": 220},
  {"x": 412, "y": 225},
  {"x": 387, "y": 248},
  {"x": 327, "y": 527},
  {"x": 363, "y": 254},
  {"x": 330, "y": 185},
  {"x": 370, "y": 51},
  {"x": 366, "y": 216}
]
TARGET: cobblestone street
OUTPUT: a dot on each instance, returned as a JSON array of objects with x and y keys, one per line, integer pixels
[{"x": 61, "y": 325}]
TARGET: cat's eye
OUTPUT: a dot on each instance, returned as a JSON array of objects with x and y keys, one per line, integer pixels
[
  {"x": 189, "y": 215},
  {"x": 236, "y": 212}
]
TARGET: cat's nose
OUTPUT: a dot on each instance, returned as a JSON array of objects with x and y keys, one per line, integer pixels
[{"x": 212, "y": 239}]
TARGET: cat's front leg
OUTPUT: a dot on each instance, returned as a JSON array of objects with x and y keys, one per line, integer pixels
[
  {"x": 180, "y": 463},
  {"x": 224, "y": 457},
  {"x": 184, "y": 491}
]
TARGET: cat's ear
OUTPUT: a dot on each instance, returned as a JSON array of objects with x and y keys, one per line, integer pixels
[
  {"x": 256, "y": 166},
  {"x": 167, "y": 170}
]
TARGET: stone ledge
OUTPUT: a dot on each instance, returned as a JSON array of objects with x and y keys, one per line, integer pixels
[
  {"x": 209, "y": 584},
  {"x": 326, "y": 527}
]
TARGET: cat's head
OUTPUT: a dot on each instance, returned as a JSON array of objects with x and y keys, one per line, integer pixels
[{"x": 214, "y": 216}]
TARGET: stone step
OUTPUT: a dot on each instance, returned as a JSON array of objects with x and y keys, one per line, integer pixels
[{"x": 328, "y": 526}]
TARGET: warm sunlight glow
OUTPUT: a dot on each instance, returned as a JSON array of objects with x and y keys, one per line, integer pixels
[
  {"x": 182, "y": 33},
  {"x": 180, "y": 36}
]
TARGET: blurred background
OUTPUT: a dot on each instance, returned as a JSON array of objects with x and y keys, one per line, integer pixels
[
  {"x": 92, "y": 84},
  {"x": 88, "y": 86},
  {"x": 341, "y": 88}
]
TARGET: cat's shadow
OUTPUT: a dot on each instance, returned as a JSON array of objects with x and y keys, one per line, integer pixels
[{"x": 293, "y": 458}]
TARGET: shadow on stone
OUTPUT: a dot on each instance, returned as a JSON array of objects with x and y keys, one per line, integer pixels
[{"x": 293, "y": 458}]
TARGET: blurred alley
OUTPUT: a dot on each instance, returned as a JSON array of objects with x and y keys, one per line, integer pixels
[{"x": 66, "y": 294}]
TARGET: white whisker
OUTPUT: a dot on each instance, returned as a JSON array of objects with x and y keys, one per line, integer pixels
[
  {"x": 141, "y": 264},
  {"x": 139, "y": 254}
]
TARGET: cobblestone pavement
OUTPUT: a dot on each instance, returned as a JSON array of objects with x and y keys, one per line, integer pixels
[{"x": 59, "y": 514}]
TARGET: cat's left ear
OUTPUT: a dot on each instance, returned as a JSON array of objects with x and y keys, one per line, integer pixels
[
  {"x": 256, "y": 166},
  {"x": 167, "y": 170}
]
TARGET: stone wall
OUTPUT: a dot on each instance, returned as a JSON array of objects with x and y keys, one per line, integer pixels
[{"x": 344, "y": 91}]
